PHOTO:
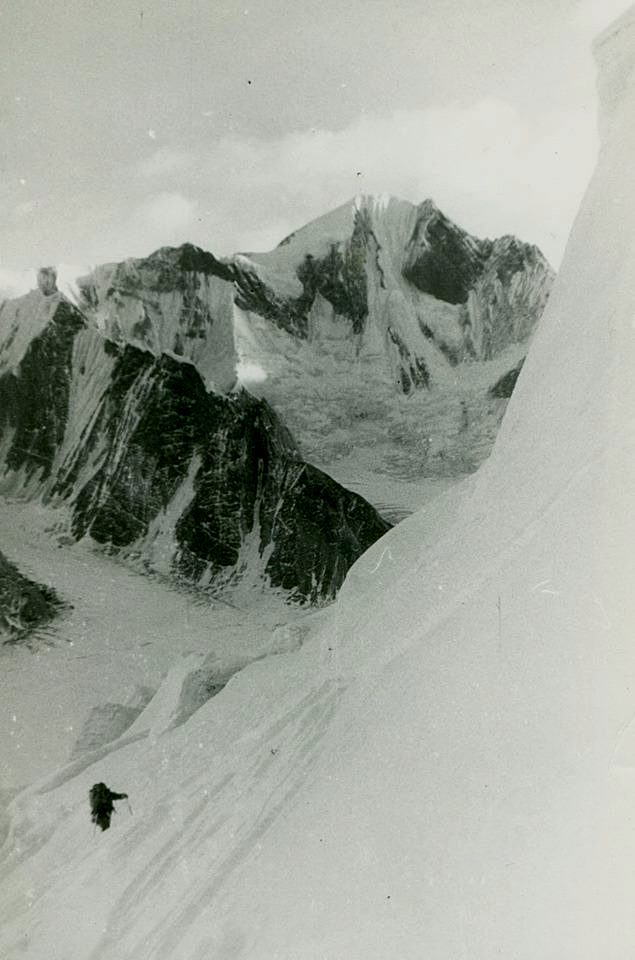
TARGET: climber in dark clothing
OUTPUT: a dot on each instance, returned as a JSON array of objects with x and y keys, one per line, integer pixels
[{"x": 101, "y": 804}]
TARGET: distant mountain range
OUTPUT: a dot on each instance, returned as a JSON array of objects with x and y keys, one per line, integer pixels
[{"x": 381, "y": 330}]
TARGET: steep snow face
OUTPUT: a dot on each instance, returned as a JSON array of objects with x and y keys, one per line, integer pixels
[
  {"x": 447, "y": 766},
  {"x": 388, "y": 321},
  {"x": 176, "y": 301},
  {"x": 194, "y": 483}
]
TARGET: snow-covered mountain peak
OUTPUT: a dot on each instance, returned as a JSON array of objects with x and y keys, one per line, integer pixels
[
  {"x": 415, "y": 242},
  {"x": 141, "y": 457},
  {"x": 379, "y": 298},
  {"x": 379, "y": 211},
  {"x": 382, "y": 299}
]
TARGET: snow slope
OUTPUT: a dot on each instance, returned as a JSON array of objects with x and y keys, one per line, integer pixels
[
  {"x": 81, "y": 676},
  {"x": 446, "y": 768}
]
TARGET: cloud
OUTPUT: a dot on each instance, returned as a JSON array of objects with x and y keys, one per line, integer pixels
[
  {"x": 162, "y": 162},
  {"x": 24, "y": 209},
  {"x": 14, "y": 283},
  {"x": 492, "y": 168},
  {"x": 162, "y": 219}
]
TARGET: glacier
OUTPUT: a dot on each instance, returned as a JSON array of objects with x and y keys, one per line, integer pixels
[{"x": 445, "y": 768}]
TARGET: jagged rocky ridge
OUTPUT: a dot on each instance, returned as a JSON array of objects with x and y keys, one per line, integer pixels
[
  {"x": 197, "y": 484},
  {"x": 378, "y": 302}
]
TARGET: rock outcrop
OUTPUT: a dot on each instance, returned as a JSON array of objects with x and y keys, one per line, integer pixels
[
  {"x": 47, "y": 280},
  {"x": 24, "y": 605}
]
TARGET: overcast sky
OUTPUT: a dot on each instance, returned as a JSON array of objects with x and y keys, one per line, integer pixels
[{"x": 129, "y": 124}]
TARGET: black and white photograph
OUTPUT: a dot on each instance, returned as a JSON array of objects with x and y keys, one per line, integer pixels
[{"x": 317, "y": 473}]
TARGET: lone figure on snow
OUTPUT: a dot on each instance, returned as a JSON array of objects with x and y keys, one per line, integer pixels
[{"x": 101, "y": 804}]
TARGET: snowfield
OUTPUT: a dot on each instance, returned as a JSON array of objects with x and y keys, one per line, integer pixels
[
  {"x": 445, "y": 768},
  {"x": 117, "y": 643}
]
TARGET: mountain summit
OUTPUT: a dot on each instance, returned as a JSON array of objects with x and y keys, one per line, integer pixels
[
  {"x": 377, "y": 302},
  {"x": 382, "y": 268}
]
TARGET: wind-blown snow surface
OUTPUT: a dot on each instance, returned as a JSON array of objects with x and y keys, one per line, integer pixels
[{"x": 446, "y": 768}]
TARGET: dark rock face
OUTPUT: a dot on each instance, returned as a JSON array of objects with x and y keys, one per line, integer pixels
[
  {"x": 146, "y": 454},
  {"x": 312, "y": 503},
  {"x": 24, "y": 605},
  {"x": 253, "y": 294},
  {"x": 441, "y": 259},
  {"x": 160, "y": 452},
  {"x": 241, "y": 481},
  {"x": 340, "y": 276},
  {"x": 34, "y": 401},
  {"x": 413, "y": 371},
  {"x": 504, "y": 387}
]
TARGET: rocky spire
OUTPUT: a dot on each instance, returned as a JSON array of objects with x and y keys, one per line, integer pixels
[{"x": 47, "y": 280}]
